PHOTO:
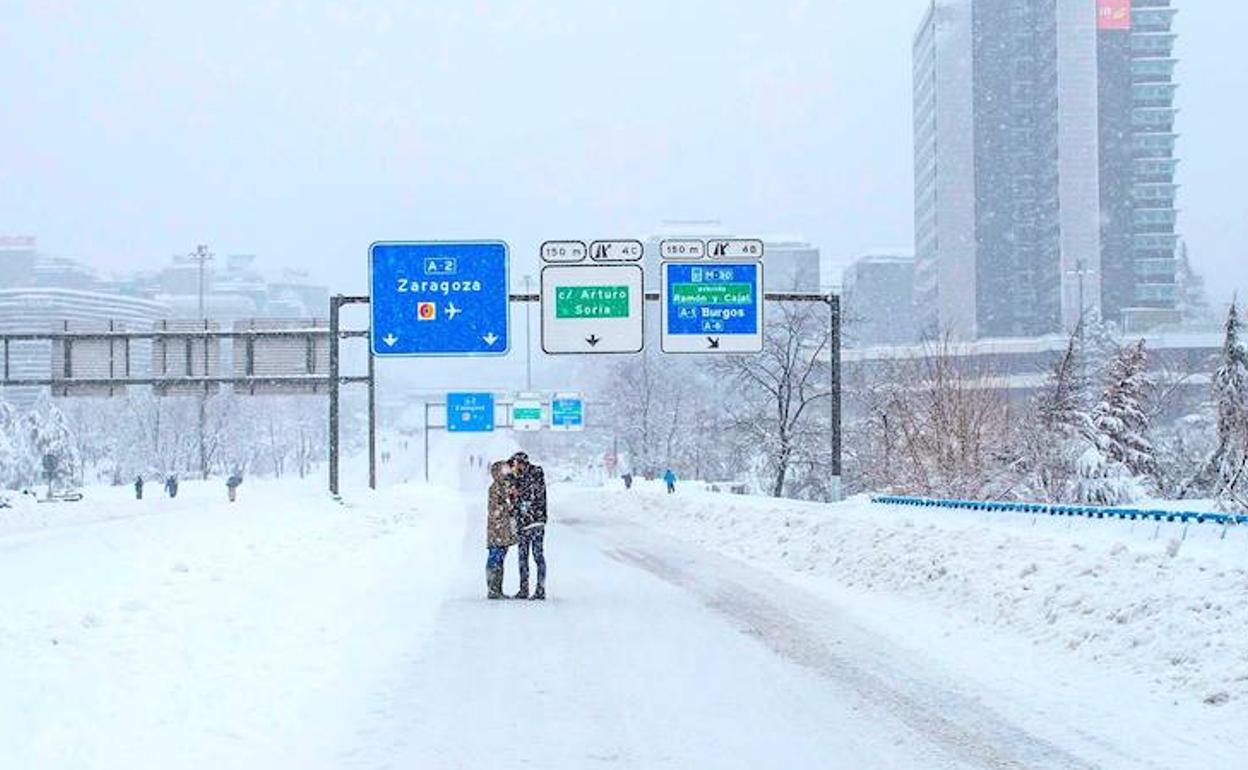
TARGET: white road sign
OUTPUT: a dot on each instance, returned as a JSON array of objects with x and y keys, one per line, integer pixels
[
  {"x": 616, "y": 251},
  {"x": 682, "y": 248},
  {"x": 735, "y": 248},
  {"x": 526, "y": 413},
  {"x": 592, "y": 308},
  {"x": 564, "y": 251}
]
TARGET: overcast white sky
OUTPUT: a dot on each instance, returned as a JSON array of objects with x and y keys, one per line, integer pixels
[{"x": 302, "y": 131}]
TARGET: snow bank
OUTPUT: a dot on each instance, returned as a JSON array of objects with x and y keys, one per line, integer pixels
[
  {"x": 196, "y": 633},
  {"x": 1167, "y": 606}
]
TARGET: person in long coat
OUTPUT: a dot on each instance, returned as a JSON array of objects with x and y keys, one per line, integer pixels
[
  {"x": 500, "y": 531},
  {"x": 530, "y": 511}
]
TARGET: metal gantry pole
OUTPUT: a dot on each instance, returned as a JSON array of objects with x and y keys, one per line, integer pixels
[
  {"x": 834, "y": 388},
  {"x": 201, "y": 255},
  {"x": 335, "y": 304},
  {"x": 372, "y": 421},
  {"x": 528, "y": 338},
  {"x": 426, "y": 442}
]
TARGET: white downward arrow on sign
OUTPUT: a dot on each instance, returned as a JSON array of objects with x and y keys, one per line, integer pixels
[
  {"x": 490, "y": 338},
  {"x": 390, "y": 339}
]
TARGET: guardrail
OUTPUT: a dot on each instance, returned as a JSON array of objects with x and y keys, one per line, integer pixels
[{"x": 1086, "y": 511}]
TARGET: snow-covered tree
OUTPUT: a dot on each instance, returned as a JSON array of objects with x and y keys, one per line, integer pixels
[
  {"x": 10, "y": 448},
  {"x": 1101, "y": 481},
  {"x": 1118, "y": 464},
  {"x": 781, "y": 389},
  {"x": 48, "y": 434},
  {"x": 1192, "y": 300},
  {"x": 936, "y": 424},
  {"x": 1225, "y": 474},
  {"x": 1053, "y": 437},
  {"x": 1120, "y": 419}
]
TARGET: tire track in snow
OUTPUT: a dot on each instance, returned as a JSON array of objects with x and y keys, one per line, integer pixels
[{"x": 966, "y": 730}]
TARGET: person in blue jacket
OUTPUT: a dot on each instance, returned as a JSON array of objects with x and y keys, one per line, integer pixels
[{"x": 669, "y": 478}]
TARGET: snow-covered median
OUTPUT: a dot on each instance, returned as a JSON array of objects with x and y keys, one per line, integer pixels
[
  {"x": 1128, "y": 597},
  {"x": 196, "y": 633}
]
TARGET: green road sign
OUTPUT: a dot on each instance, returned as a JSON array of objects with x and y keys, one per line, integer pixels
[
  {"x": 712, "y": 294},
  {"x": 526, "y": 412},
  {"x": 591, "y": 301}
]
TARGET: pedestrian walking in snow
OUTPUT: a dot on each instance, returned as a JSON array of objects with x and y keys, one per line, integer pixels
[
  {"x": 669, "y": 478},
  {"x": 528, "y": 486},
  {"x": 628, "y": 480},
  {"x": 500, "y": 528},
  {"x": 138, "y": 487},
  {"x": 171, "y": 485},
  {"x": 232, "y": 484}
]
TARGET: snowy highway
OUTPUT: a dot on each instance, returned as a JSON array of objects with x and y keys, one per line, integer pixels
[
  {"x": 653, "y": 655},
  {"x": 291, "y": 631}
]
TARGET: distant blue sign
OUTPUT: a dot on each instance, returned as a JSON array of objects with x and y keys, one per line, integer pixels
[
  {"x": 439, "y": 298},
  {"x": 567, "y": 413},
  {"x": 470, "y": 412}
]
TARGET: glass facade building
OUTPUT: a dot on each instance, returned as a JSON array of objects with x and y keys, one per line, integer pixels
[
  {"x": 1139, "y": 239},
  {"x": 1044, "y": 169}
]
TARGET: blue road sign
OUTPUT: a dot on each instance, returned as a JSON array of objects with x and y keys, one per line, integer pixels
[
  {"x": 567, "y": 413},
  {"x": 439, "y": 298},
  {"x": 712, "y": 307},
  {"x": 470, "y": 412}
]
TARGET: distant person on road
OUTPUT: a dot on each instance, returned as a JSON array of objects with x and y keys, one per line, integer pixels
[
  {"x": 232, "y": 484},
  {"x": 138, "y": 487},
  {"x": 171, "y": 485},
  {"x": 669, "y": 478},
  {"x": 528, "y": 486},
  {"x": 628, "y": 480},
  {"x": 500, "y": 528}
]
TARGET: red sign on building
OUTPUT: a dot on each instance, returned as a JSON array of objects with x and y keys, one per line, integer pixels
[{"x": 1113, "y": 14}]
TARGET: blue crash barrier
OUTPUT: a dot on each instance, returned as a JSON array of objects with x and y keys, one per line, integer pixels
[{"x": 1086, "y": 511}]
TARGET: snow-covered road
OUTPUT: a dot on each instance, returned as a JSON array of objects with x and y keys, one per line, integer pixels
[
  {"x": 650, "y": 655},
  {"x": 290, "y": 631}
]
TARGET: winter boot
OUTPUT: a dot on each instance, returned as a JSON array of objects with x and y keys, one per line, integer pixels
[
  {"x": 523, "y": 593},
  {"x": 494, "y": 582},
  {"x": 540, "y": 593}
]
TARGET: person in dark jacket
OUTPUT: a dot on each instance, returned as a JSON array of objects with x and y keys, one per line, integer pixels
[
  {"x": 171, "y": 485},
  {"x": 138, "y": 487},
  {"x": 232, "y": 484},
  {"x": 500, "y": 528},
  {"x": 528, "y": 484}
]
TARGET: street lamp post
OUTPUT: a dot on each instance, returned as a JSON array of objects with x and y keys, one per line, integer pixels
[
  {"x": 528, "y": 339},
  {"x": 1080, "y": 272},
  {"x": 201, "y": 256}
]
